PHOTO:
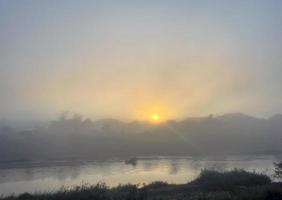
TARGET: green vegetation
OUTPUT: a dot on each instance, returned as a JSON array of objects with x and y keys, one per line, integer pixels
[{"x": 210, "y": 185}]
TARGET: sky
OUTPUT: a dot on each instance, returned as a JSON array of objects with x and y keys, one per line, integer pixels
[{"x": 135, "y": 59}]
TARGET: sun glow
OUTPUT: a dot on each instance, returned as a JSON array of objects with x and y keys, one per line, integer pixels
[
  {"x": 155, "y": 112},
  {"x": 155, "y": 117}
]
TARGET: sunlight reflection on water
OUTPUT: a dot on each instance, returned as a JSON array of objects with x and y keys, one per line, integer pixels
[{"x": 34, "y": 178}]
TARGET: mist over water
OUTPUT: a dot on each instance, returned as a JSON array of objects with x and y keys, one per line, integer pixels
[{"x": 35, "y": 178}]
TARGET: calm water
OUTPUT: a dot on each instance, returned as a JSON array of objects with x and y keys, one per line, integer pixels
[{"x": 40, "y": 177}]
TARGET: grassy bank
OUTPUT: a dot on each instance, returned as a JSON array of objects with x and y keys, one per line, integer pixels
[{"x": 210, "y": 185}]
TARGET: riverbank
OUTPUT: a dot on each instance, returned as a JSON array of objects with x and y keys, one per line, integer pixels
[{"x": 232, "y": 185}]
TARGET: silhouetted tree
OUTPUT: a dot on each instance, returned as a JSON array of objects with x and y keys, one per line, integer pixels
[{"x": 278, "y": 170}]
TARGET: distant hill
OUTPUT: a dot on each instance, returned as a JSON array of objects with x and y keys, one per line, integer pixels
[{"x": 78, "y": 138}]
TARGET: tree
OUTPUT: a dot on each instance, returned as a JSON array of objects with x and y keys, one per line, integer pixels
[{"x": 278, "y": 170}]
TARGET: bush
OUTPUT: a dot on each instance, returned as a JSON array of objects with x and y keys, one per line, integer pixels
[
  {"x": 278, "y": 170},
  {"x": 214, "y": 180},
  {"x": 157, "y": 184}
]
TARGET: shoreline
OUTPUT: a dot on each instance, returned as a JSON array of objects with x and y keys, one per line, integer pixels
[{"x": 234, "y": 184}]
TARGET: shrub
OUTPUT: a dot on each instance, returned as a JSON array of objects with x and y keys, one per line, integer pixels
[
  {"x": 157, "y": 184},
  {"x": 278, "y": 170},
  {"x": 214, "y": 180}
]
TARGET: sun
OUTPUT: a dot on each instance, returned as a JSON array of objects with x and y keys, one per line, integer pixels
[{"x": 155, "y": 117}]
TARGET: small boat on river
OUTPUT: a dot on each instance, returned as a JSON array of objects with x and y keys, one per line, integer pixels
[{"x": 131, "y": 161}]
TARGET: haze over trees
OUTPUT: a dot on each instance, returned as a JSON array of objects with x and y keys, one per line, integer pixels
[{"x": 73, "y": 137}]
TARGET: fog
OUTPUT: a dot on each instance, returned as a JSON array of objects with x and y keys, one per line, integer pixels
[
  {"x": 163, "y": 99},
  {"x": 135, "y": 71},
  {"x": 129, "y": 59},
  {"x": 72, "y": 137}
]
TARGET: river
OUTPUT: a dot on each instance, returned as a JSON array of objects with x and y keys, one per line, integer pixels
[{"x": 17, "y": 178}]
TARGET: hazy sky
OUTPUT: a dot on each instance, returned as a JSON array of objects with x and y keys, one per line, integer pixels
[{"x": 130, "y": 59}]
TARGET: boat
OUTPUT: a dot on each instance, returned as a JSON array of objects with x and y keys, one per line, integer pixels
[{"x": 131, "y": 161}]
